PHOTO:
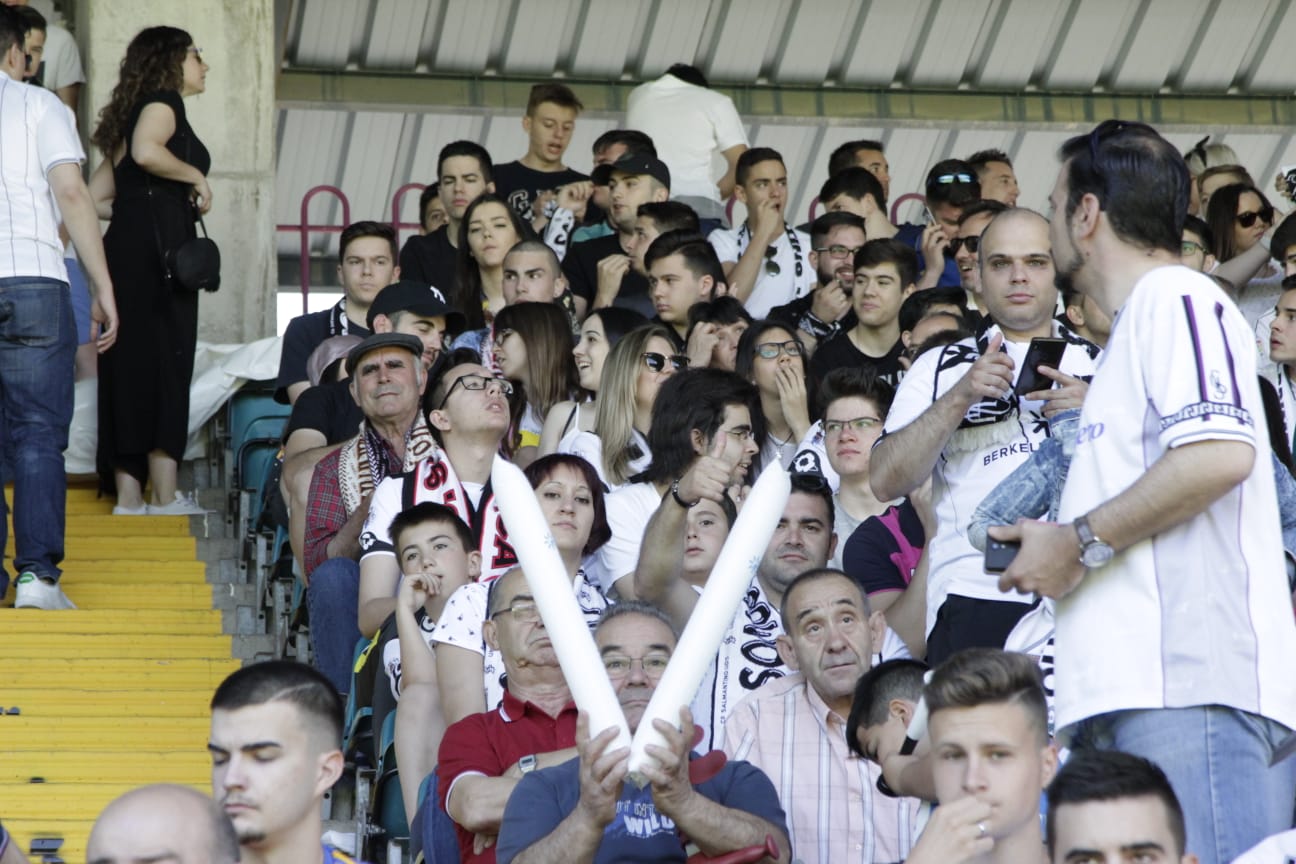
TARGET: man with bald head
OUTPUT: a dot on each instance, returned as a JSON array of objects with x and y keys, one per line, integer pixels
[
  {"x": 161, "y": 823},
  {"x": 957, "y": 414}
]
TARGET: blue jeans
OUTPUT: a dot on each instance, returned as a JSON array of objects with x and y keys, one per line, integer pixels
[
  {"x": 37, "y": 349},
  {"x": 333, "y": 602},
  {"x": 1217, "y": 760}
]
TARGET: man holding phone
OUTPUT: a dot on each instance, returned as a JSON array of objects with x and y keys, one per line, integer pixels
[{"x": 959, "y": 418}]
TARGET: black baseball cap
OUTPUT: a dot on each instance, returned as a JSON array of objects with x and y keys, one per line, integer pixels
[
  {"x": 417, "y": 297},
  {"x": 412, "y": 344},
  {"x": 633, "y": 163}
]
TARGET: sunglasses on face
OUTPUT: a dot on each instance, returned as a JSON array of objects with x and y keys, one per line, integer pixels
[
  {"x": 1248, "y": 218},
  {"x": 973, "y": 245},
  {"x": 771, "y": 266},
  {"x": 657, "y": 362},
  {"x": 771, "y": 350},
  {"x": 476, "y": 382}
]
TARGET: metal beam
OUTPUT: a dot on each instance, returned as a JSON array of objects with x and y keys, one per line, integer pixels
[{"x": 415, "y": 92}]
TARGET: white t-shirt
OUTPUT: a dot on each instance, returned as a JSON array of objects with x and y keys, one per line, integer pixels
[
  {"x": 770, "y": 290},
  {"x": 688, "y": 125},
  {"x": 36, "y": 134},
  {"x": 1199, "y": 614},
  {"x": 972, "y": 464},
  {"x": 588, "y": 446},
  {"x": 628, "y": 511}
]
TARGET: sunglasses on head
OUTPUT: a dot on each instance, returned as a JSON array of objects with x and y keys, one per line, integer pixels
[
  {"x": 973, "y": 245},
  {"x": 657, "y": 362},
  {"x": 1248, "y": 218}
]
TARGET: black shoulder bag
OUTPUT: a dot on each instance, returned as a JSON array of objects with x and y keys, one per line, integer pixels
[{"x": 194, "y": 265}]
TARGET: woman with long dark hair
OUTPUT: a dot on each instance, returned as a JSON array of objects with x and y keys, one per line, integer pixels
[{"x": 154, "y": 181}]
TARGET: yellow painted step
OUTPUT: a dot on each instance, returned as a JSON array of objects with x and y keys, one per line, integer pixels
[
  {"x": 35, "y": 801},
  {"x": 35, "y": 622},
  {"x": 133, "y": 571},
  {"x": 56, "y": 766},
  {"x": 24, "y": 733},
  {"x": 114, "y": 674},
  {"x": 74, "y": 832},
  {"x": 100, "y": 525},
  {"x": 124, "y": 595},
  {"x": 80, "y": 548},
  {"x": 61, "y": 702},
  {"x": 124, "y": 646}
]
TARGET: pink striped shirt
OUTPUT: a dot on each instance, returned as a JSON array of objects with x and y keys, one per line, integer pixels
[{"x": 835, "y": 813}]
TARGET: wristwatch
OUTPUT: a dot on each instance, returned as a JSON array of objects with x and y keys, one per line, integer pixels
[
  {"x": 527, "y": 763},
  {"x": 1093, "y": 551}
]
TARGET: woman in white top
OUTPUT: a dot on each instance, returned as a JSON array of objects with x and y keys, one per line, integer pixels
[
  {"x": 533, "y": 348},
  {"x": 634, "y": 370},
  {"x": 599, "y": 333},
  {"x": 571, "y": 499},
  {"x": 1239, "y": 215},
  {"x": 774, "y": 359}
]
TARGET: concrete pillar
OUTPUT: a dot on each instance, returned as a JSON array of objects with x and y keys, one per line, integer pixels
[{"x": 234, "y": 118}]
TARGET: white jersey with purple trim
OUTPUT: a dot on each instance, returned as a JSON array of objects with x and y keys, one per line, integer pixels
[{"x": 1200, "y": 613}]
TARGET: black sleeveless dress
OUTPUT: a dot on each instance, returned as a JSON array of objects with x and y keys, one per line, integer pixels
[{"x": 144, "y": 378}]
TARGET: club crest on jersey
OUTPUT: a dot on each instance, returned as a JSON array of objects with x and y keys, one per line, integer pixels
[{"x": 1218, "y": 390}]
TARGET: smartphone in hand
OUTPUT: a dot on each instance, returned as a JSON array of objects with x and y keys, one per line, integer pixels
[
  {"x": 1043, "y": 351},
  {"x": 999, "y": 554}
]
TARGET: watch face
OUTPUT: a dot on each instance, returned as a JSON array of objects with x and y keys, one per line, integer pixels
[{"x": 1096, "y": 554}]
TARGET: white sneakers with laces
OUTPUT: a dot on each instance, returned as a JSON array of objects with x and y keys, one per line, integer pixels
[{"x": 37, "y": 593}]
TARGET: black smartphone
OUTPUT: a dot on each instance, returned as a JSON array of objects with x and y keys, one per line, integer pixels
[
  {"x": 999, "y": 554},
  {"x": 1043, "y": 351}
]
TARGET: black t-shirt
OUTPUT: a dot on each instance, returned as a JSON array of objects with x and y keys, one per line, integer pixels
[
  {"x": 873, "y": 555},
  {"x": 518, "y": 185},
  {"x": 581, "y": 269},
  {"x": 328, "y": 409},
  {"x": 431, "y": 259},
  {"x": 840, "y": 351},
  {"x": 303, "y": 335}
]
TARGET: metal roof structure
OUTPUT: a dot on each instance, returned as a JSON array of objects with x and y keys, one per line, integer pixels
[{"x": 370, "y": 90}]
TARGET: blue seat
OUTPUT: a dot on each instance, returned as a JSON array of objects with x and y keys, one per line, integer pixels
[{"x": 387, "y": 808}]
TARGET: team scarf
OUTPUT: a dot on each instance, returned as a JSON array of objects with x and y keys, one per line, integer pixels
[
  {"x": 996, "y": 421},
  {"x": 434, "y": 479},
  {"x": 360, "y": 469},
  {"x": 1287, "y": 396}
]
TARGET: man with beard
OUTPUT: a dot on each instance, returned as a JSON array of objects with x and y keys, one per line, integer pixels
[{"x": 826, "y": 310}]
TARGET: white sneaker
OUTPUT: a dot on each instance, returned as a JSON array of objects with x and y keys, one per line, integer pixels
[
  {"x": 183, "y": 505},
  {"x": 36, "y": 593},
  {"x": 141, "y": 510}
]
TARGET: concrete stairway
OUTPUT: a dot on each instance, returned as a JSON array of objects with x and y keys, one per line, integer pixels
[{"x": 114, "y": 694}]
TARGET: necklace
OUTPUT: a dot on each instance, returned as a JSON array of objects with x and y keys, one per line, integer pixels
[{"x": 771, "y": 266}]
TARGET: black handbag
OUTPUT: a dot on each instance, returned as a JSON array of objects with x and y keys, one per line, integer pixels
[{"x": 194, "y": 265}]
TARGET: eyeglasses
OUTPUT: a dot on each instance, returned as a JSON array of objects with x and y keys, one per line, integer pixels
[
  {"x": 502, "y": 335},
  {"x": 839, "y": 251},
  {"x": 197, "y": 52},
  {"x": 523, "y": 611},
  {"x": 1248, "y": 218},
  {"x": 973, "y": 245},
  {"x": 657, "y": 362},
  {"x": 741, "y": 433},
  {"x": 472, "y": 381},
  {"x": 771, "y": 266},
  {"x": 770, "y": 350},
  {"x": 858, "y": 424},
  {"x": 1190, "y": 248},
  {"x": 619, "y": 666}
]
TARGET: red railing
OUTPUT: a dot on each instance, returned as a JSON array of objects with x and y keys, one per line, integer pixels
[{"x": 305, "y": 228}]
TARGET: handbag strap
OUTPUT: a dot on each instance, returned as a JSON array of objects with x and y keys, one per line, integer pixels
[{"x": 157, "y": 233}]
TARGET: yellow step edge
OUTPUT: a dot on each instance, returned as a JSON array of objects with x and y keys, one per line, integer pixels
[
  {"x": 132, "y": 548},
  {"x": 85, "y": 766},
  {"x": 36, "y": 622},
  {"x": 124, "y": 646},
  {"x": 181, "y": 597},
  {"x": 31, "y": 801},
  {"x": 45, "y": 702},
  {"x": 100, "y": 525},
  {"x": 135, "y": 571}
]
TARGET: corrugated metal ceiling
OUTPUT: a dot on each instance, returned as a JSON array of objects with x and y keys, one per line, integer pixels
[{"x": 1179, "y": 46}]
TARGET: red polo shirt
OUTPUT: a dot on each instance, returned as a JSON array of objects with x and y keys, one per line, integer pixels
[{"x": 490, "y": 743}]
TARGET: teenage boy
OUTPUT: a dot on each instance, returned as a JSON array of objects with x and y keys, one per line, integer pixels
[
  {"x": 366, "y": 265},
  {"x": 951, "y": 185},
  {"x": 766, "y": 261},
  {"x": 464, "y": 171},
  {"x": 682, "y": 271},
  {"x": 531, "y": 183},
  {"x": 885, "y": 271}
]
